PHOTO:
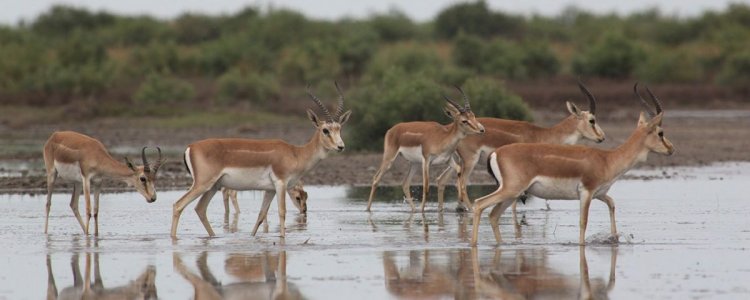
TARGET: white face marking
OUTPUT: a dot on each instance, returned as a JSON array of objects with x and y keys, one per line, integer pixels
[
  {"x": 248, "y": 178},
  {"x": 412, "y": 154},
  {"x": 555, "y": 188},
  {"x": 68, "y": 172}
]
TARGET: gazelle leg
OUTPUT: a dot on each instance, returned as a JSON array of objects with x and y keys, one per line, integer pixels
[
  {"x": 74, "y": 205},
  {"x": 51, "y": 178},
  {"x": 611, "y": 205},
  {"x": 262, "y": 214},
  {"x": 425, "y": 180},
  {"x": 585, "y": 198},
  {"x": 180, "y": 205},
  {"x": 281, "y": 201},
  {"x": 503, "y": 194},
  {"x": 87, "y": 197},
  {"x": 225, "y": 196},
  {"x": 442, "y": 180},
  {"x": 495, "y": 214},
  {"x": 467, "y": 167},
  {"x": 388, "y": 156},
  {"x": 51, "y": 286},
  {"x": 233, "y": 197},
  {"x": 202, "y": 206},
  {"x": 406, "y": 185},
  {"x": 97, "y": 192}
]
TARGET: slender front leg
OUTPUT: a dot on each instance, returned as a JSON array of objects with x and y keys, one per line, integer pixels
[
  {"x": 87, "y": 197},
  {"x": 585, "y": 197},
  {"x": 97, "y": 192},
  {"x": 495, "y": 214},
  {"x": 388, "y": 156},
  {"x": 442, "y": 180},
  {"x": 281, "y": 195},
  {"x": 467, "y": 167},
  {"x": 202, "y": 207},
  {"x": 233, "y": 197},
  {"x": 180, "y": 205},
  {"x": 425, "y": 180},
  {"x": 262, "y": 214},
  {"x": 406, "y": 185},
  {"x": 611, "y": 205},
  {"x": 74, "y": 205},
  {"x": 225, "y": 195}
]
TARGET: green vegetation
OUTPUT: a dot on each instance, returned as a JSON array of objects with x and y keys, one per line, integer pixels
[{"x": 257, "y": 58}]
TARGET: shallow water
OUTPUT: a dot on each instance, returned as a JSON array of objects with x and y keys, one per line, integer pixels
[{"x": 683, "y": 237}]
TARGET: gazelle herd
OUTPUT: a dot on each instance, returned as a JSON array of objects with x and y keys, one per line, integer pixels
[{"x": 523, "y": 158}]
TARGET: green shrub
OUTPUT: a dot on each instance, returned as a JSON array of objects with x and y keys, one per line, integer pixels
[
  {"x": 614, "y": 56},
  {"x": 160, "y": 89},
  {"x": 141, "y": 30},
  {"x": 355, "y": 48},
  {"x": 80, "y": 49},
  {"x": 538, "y": 60},
  {"x": 408, "y": 58},
  {"x": 670, "y": 65},
  {"x": 468, "y": 51},
  {"x": 193, "y": 28},
  {"x": 73, "y": 80},
  {"x": 155, "y": 57},
  {"x": 736, "y": 72},
  {"x": 502, "y": 58},
  {"x": 400, "y": 97},
  {"x": 476, "y": 18},
  {"x": 393, "y": 26},
  {"x": 236, "y": 86},
  {"x": 61, "y": 20},
  {"x": 309, "y": 63}
]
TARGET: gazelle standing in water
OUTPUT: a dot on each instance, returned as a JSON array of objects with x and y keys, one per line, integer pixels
[
  {"x": 501, "y": 132},
  {"x": 569, "y": 172},
  {"x": 297, "y": 193},
  {"x": 84, "y": 161},
  {"x": 426, "y": 143},
  {"x": 268, "y": 165}
]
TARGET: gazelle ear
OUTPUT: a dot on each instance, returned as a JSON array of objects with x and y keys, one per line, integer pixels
[
  {"x": 129, "y": 164},
  {"x": 451, "y": 111},
  {"x": 345, "y": 117},
  {"x": 313, "y": 117},
  {"x": 642, "y": 119},
  {"x": 573, "y": 109},
  {"x": 656, "y": 121}
]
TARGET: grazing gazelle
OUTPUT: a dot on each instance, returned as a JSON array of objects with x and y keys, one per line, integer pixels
[
  {"x": 569, "y": 172},
  {"x": 426, "y": 143},
  {"x": 268, "y": 165},
  {"x": 84, "y": 161},
  {"x": 296, "y": 193},
  {"x": 501, "y": 132}
]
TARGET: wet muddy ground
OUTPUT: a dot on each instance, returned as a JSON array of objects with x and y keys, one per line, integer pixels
[{"x": 681, "y": 237}]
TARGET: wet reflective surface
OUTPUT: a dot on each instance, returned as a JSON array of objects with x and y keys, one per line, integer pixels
[{"x": 683, "y": 237}]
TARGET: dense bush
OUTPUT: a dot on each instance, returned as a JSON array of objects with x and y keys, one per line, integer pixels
[
  {"x": 159, "y": 89},
  {"x": 311, "y": 62},
  {"x": 736, "y": 72},
  {"x": 411, "y": 59},
  {"x": 155, "y": 57},
  {"x": 400, "y": 97},
  {"x": 614, "y": 56},
  {"x": 393, "y": 26},
  {"x": 668, "y": 65},
  {"x": 61, "y": 20},
  {"x": 476, "y": 18},
  {"x": 194, "y": 28},
  {"x": 538, "y": 60},
  {"x": 236, "y": 86},
  {"x": 505, "y": 58}
]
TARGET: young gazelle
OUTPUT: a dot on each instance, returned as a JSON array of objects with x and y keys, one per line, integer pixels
[
  {"x": 268, "y": 165},
  {"x": 569, "y": 172},
  {"x": 426, "y": 143},
  {"x": 296, "y": 193},
  {"x": 84, "y": 161},
  {"x": 500, "y": 132}
]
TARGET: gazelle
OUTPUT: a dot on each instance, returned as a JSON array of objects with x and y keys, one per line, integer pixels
[
  {"x": 297, "y": 193},
  {"x": 83, "y": 160},
  {"x": 501, "y": 132},
  {"x": 426, "y": 143},
  {"x": 569, "y": 172},
  {"x": 268, "y": 165}
]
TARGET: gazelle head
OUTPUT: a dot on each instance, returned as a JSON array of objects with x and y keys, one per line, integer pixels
[
  {"x": 655, "y": 140},
  {"x": 329, "y": 130},
  {"x": 144, "y": 176},
  {"x": 299, "y": 197},
  {"x": 462, "y": 115},
  {"x": 587, "y": 125}
]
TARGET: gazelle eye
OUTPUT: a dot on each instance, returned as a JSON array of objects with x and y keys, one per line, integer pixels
[
  {"x": 143, "y": 179},
  {"x": 592, "y": 121},
  {"x": 465, "y": 122},
  {"x": 661, "y": 134},
  {"x": 326, "y": 132}
]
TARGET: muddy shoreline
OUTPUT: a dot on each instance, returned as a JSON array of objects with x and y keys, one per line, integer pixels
[{"x": 701, "y": 137}]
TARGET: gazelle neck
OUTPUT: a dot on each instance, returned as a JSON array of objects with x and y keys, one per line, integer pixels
[
  {"x": 454, "y": 134},
  {"x": 633, "y": 151},
  {"x": 564, "y": 132},
  {"x": 309, "y": 154},
  {"x": 109, "y": 167}
]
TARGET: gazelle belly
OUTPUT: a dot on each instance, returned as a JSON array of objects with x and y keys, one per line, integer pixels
[
  {"x": 555, "y": 188},
  {"x": 68, "y": 172},
  {"x": 248, "y": 178},
  {"x": 412, "y": 154}
]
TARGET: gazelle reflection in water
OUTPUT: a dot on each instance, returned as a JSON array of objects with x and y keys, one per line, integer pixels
[
  {"x": 515, "y": 274},
  {"x": 261, "y": 275},
  {"x": 143, "y": 287}
]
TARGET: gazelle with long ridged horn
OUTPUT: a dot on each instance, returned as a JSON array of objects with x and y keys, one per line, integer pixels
[
  {"x": 501, "y": 132},
  {"x": 84, "y": 161},
  {"x": 268, "y": 165},
  {"x": 569, "y": 172},
  {"x": 426, "y": 143}
]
